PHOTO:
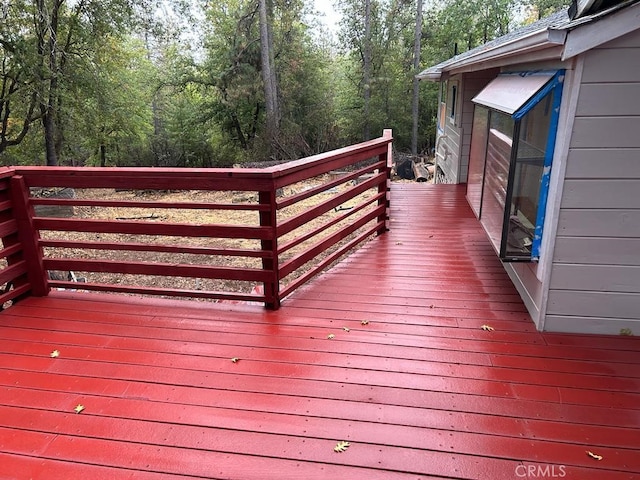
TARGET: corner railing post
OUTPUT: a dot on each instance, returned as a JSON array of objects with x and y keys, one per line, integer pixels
[
  {"x": 29, "y": 237},
  {"x": 386, "y": 187},
  {"x": 268, "y": 218}
]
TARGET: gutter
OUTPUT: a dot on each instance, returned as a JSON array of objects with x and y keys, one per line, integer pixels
[{"x": 549, "y": 37}]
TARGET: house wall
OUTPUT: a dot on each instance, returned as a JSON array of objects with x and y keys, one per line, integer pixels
[
  {"x": 454, "y": 144},
  {"x": 449, "y": 140},
  {"x": 594, "y": 284}
]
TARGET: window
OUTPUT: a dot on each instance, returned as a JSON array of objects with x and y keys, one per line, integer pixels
[
  {"x": 513, "y": 139},
  {"x": 454, "y": 98},
  {"x": 442, "y": 111}
]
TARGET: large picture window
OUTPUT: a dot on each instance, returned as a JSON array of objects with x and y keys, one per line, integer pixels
[{"x": 512, "y": 145}]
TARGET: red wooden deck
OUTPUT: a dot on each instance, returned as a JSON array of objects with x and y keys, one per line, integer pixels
[{"x": 420, "y": 391}]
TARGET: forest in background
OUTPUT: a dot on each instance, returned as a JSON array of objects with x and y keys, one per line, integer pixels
[{"x": 193, "y": 83}]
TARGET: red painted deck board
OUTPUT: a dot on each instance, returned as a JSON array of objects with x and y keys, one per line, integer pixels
[{"x": 420, "y": 391}]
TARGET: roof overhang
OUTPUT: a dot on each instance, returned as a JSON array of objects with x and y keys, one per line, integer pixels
[
  {"x": 499, "y": 55},
  {"x": 621, "y": 22}
]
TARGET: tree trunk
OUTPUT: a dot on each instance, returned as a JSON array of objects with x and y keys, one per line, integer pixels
[
  {"x": 415, "y": 104},
  {"x": 103, "y": 155},
  {"x": 366, "y": 74},
  {"x": 48, "y": 49},
  {"x": 269, "y": 76}
]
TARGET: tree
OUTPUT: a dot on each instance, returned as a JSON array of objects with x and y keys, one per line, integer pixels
[
  {"x": 415, "y": 98},
  {"x": 460, "y": 25},
  {"x": 18, "y": 97},
  {"x": 366, "y": 69},
  {"x": 269, "y": 78},
  {"x": 542, "y": 8},
  {"x": 377, "y": 67}
]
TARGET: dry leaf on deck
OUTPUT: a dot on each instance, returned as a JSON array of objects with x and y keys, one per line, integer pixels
[
  {"x": 594, "y": 456},
  {"x": 487, "y": 328},
  {"x": 78, "y": 408},
  {"x": 55, "y": 354},
  {"x": 331, "y": 336},
  {"x": 341, "y": 447}
]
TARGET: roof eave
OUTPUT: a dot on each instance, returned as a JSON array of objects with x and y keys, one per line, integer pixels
[
  {"x": 611, "y": 24},
  {"x": 432, "y": 75},
  {"x": 539, "y": 40}
]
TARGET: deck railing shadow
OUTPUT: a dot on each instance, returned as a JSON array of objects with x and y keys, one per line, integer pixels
[{"x": 278, "y": 236}]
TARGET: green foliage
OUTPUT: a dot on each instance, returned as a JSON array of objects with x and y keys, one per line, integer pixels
[
  {"x": 126, "y": 85},
  {"x": 538, "y": 9},
  {"x": 456, "y": 26}
]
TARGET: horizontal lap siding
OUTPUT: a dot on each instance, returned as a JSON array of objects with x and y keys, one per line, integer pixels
[
  {"x": 595, "y": 279},
  {"x": 449, "y": 149}
]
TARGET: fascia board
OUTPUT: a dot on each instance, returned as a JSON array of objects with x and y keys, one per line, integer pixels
[
  {"x": 537, "y": 40},
  {"x": 603, "y": 30}
]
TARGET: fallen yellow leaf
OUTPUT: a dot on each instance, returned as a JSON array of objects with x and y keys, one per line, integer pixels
[
  {"x": 55, "y": 354},
  {"x": 487, "y": 328},
  {"x": 79, "y": 408},
  {"x": 341, "y": 447},
  {"x": 594, "y": 456}
]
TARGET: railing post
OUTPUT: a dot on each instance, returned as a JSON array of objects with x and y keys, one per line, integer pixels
[
  {"x": 268, "y": 218},
  {"x": 29, "y": 237},
  {"x": 386, "y": 187}
]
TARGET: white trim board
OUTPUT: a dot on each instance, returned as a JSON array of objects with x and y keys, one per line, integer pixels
[{"x": 603, "y": 30}]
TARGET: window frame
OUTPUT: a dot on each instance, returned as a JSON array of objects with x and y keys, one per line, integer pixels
[{"x": 553, "y": 86}]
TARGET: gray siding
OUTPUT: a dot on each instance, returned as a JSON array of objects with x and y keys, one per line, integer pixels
[
  {"x": 449, "y": 148},
  {"x": 455, "y": 145},
  {"x": 595, "y": 276}
]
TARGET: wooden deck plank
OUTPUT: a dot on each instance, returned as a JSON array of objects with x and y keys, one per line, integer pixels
[
  {"x": 406, "y": 373},
  {"x": 416, "y": 411},
  {"x": 373, "y": 427},
  {"x": 420, "y": 391}
]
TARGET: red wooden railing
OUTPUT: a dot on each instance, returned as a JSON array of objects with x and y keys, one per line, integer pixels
[{"x": 284, "y": 234}]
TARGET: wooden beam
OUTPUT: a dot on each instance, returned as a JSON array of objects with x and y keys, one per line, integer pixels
[{"x": 29, "y": 237}]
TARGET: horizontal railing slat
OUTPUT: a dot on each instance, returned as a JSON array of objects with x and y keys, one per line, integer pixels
[
  {"x": 326, "y": 186},
  {"x": 11, "y": 250},
  {"x": 306, "y": 236},
  {"x": 304, "y": 217},
  {"x": 151, "y": 247},
  {"x": 75, "y": 202},
  {"x": 147, "y": 179},
  {"x": 8, "y": 227},
  {"x": 5, "y": 205},
  {"x": 152, "y": 228},
  {"x": 158, "y": 269},
  {"x": 335, "y": 159},
  {"x": 299, "y": 260},
  {"x": 12, "y": 272},
  {"x": 14, "y": 293},
  {"x": 107, "y": 287}
]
